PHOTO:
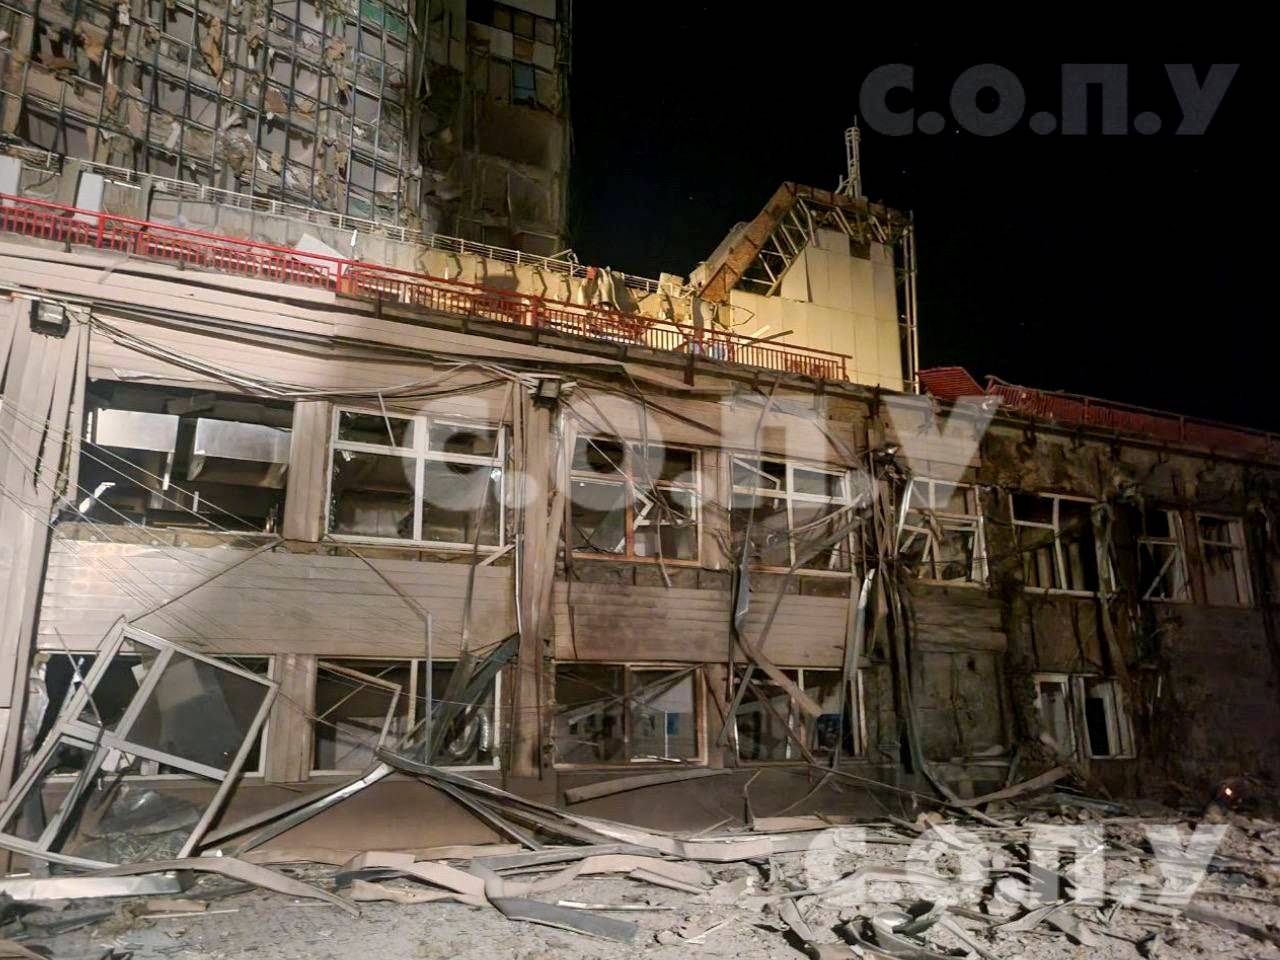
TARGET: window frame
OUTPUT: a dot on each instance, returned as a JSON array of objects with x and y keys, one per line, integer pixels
[
  {"x": 417, "y": 673},
  {"x": 1119, "y": 717},
  {"x": 1105, "y": 575},
  {"x": 421, "y": 454},
  {"x": 793, "y": 712},
  {"x": 1240, "y": 552},
  {"x": 979, "y": 569},
  {"x": 695, "y": 670},
  {"x": 1178, "y": 542},
  {"x": 792, "y": 497},
  {"x": 628, "y": 479},
  {"x": 234, "y": 660}
]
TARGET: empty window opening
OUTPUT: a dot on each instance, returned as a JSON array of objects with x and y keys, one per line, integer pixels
[
  {"x": 164, "y": 457},
  {"x": 619, "y": 713},
  {"x": 1162, "y": 564},
  {"x": 417, "y": 480},
  {"x": 796, "y": 513},
  {"x": 1085, "y": 715},
  {"x": 769, "y": 725},
  {"x": 940, "y": 532},
  {"x": 1226, "y": 573},
  {"x": 361, "y": 704},
  {"x": 631, "y": 505},
  {"x": 1055, "y": 539}
]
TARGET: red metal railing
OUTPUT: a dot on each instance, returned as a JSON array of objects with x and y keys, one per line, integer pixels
[
  {"x": 207, "y": 251},
  {"x": 1123, "y": 417}
]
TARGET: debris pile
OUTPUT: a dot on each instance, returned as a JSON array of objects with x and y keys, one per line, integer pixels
[{"x": 1036, "y": 869}]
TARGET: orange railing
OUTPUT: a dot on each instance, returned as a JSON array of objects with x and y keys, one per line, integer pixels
[
  {"x": 208, "y": 251},
  {"x": 1074, "y": 408}
]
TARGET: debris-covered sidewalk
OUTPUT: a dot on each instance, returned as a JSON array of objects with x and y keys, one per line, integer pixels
[{"x": 1050, "y": 873}]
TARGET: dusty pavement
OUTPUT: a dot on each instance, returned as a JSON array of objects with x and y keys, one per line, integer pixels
[{"x": 742, "y": 909}]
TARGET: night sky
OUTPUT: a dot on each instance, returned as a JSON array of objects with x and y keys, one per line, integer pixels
[{"x": 1124, "y": 267}]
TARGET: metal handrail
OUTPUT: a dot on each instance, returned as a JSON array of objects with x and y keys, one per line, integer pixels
[
  {"x": 44, "y": 219},
  {"x": 199, "y": 193},
  {"x": 1079, "y": 408}
]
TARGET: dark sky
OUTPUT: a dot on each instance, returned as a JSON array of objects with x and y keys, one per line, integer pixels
[{"x": 1119, "y": 266}]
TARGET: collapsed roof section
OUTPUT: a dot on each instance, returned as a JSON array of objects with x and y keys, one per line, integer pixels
[{"x": 758, "y": 254}]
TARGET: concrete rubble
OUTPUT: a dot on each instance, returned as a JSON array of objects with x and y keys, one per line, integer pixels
[{"x": 929, "y": 879}]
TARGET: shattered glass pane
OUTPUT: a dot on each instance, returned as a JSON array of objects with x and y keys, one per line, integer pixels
[
  {"x": 373, "y": 428},
  {"x": 599, "y": 455},
  {"x": 43, "y": 800},
  {"x": 457, "y": 498},
  {"x": 759, "y": 474},
  {"x": 372, "y": 495},
  {"x": 1039, "y": 563},
  {"x": 1162, "y": 572},
  {"x": 472, "y": 737},
  {"x": 818, "y": 483},
  {"x": 589, "y": 713},
  {"x": 762, "y": 733},
  {"x": 1032, "y": 508},
  {"x": 954, "y": 554},
  {"x": 818, "y": 529},
  {"x": 824, "y": 732},
  {"x": 463, "y": 440},
  {"x": 598, "y": 515},
  {"x": 770, "y": 539},
  {"x": 116, "y": 687},
  {"x": 663, "y": 720},
  {"x": 671, "y": 464},
  {"x": 351, "y": 714},
  {"x": 198, "y": 712},
  {"x": 670, "y": 514}
]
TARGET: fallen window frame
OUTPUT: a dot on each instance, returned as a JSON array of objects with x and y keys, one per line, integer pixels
[
  {"x": 637, "y": 485},
  {"x": 802, "y": 727},
  {"x": 1172, "y": 568},
  {"x": 1238, "y": 551},
  {"x": 623, "y": 700},
  {"x": 109, "y": 741},
  {"x": 934, "y": 522},
  {"x": 410, "y": 697},
  {"x": 843, "y": 501},
  {"x": 1061, "y": 568},
  {"x": 421, "y": 453},
  {"x": 255, "y": 767}
]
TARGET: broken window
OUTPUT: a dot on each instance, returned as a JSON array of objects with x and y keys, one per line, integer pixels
[
  {"x": 362, "y": 704},
  {"x": 1085, "y": 715},
  {"x": 1225, "y": 563},
  {"x": 627, "y": 713},
  {"x": 1162, "y": 564},
  {"x": 631, "y": 505},
  {"x": 1055, "y": 538},
  {"x": 64, "y": 673},
  {"x": 161, "y": 456},
  {"x": 1053, "y": 700},
  {"x": 796, "y": 513},
  {"x": 524, "y": 88},
  {"x": 770, "y": 726},
  {"x": 177, "y": 710},
  {"x": 940, "y": 532},
  {"x": 416, "y": 479},
  {"x": 1106, "y": 722}
]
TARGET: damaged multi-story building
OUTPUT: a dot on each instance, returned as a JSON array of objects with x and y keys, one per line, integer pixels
[
  {"x": 444, "y": 119},
  {"x": 265, "y": 427}
]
